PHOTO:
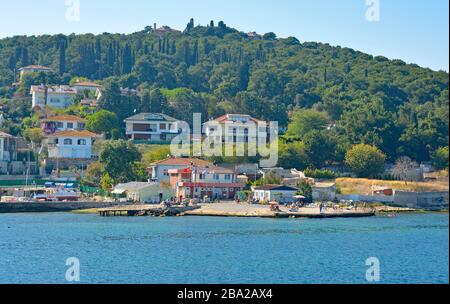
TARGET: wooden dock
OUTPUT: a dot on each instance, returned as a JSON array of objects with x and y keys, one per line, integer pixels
[{"x": 144, "y": 210}]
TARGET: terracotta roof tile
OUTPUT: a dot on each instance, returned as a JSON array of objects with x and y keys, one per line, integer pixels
[
  {"x": 184, "y": 162},
  {"x": 74, "y": 133},
  {"x": 66, "y": 118}
]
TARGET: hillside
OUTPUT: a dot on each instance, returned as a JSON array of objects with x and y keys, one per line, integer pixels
[{"x": 401, "y": 108}]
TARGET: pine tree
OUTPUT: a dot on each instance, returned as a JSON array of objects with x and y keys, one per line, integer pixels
[{"x": 62, "y": 57}]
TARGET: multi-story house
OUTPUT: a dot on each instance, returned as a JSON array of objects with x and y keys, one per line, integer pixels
[
  {"x": 88, "y": 86},
  {"x": 159, "y": 171},
  {"x": 59, "y": 97},
  {"x": 71, "y": 144},
  {"x": 235, "y": 128},
  {"x": 201, "y": 181},
  {"x": 152, "y": 127},
  {"x": 66, "y": 138},
  {"x": 63, "y": 123}
]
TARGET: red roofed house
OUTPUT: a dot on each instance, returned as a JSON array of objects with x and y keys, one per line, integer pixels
[
  {"x": 159, "y": 171},
  {"x": 236, "y": 128},
  {"x": 86, "y": 86},
  {"x": 200, "y": 181},
  {"x": 33, "y": 69},
  {"x": 67, "y": 137},
  {"x": 63, "y": 123},
  {"x": 71, "y": 144}
]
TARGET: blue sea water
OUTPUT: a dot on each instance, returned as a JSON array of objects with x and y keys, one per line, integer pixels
[{"x": 411, "y": 248}]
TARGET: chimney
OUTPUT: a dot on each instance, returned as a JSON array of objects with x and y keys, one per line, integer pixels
[{"x": 154, "y": 26}]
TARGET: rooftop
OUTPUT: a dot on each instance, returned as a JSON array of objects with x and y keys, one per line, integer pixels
[
  {"x": 232, "y": 118},
  {"x": 184, "y": 162},
  {"x": 276, "y": 187},
  {"x": 54, "y": 89},
  {"x": 87, "y": 84},
  {"x": 134, "y": 186},
  {"x": 66, "y": 118},
  {"x": 35, "y": 67},
  {"x": 151, "y": 117},
  {"x": 74, "y": 133},
  {"x": 5, "y": 135}
]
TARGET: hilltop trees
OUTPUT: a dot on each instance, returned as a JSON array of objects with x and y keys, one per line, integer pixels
[{"x": 214, "y": 69}]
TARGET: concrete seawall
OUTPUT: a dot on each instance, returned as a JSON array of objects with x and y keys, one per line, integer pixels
[{"x": 52, "y": 206}]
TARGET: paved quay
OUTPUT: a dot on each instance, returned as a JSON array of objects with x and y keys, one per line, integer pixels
[{"x": 248, "y": 210}]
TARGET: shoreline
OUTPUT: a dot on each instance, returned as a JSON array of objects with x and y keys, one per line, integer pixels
[{"x": 213, "y": 210}]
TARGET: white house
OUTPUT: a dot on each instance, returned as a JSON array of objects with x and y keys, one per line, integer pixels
[
  {"x": 279, "y": 193},
  {"x": 236, "y": 128},
  {"x": 63, "y": 123},
  {"x": 33, "y": 69},
  {"x": 70, "y": 144},
  {"x": 59, "y": 97},
  {"x": 144, "y": 192},
  {"x": 8, "y": 151},
  {"x": 83, "y": 86},
  {"x": 159, "y": 171},
  {"x": 152, "y": 127}
]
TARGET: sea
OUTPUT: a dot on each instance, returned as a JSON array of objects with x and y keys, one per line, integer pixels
[{"x": 68, "y": 248}]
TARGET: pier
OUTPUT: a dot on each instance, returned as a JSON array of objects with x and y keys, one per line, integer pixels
[{"x": 145, "y": 210}]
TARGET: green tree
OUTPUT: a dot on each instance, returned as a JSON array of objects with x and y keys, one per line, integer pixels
[
  {"x": 319, "y": 148},
  {"x": 103, "y": 122},
  {"x": 304, "y": 121},
  {"x": 365, "y": 160},
  {"x": 440, "y": 158},
  {"x": 305, "y": 189},
  {"x": 118, "y": 159},
  {"x": 94, "y": 174}
]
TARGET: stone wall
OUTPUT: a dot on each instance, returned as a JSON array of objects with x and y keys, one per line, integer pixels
[
  {"x": 421, "y": 200},
  {"x": 16, "y": 168},
  {"x": 52, "y": 207},
  {"x": 366, "y": 198}
]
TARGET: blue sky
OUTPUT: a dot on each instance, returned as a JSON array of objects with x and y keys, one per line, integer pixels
[{"x": 415, "y": 31}]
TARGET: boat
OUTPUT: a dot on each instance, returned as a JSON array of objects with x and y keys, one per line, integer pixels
[{"x": 61, "y": 193}]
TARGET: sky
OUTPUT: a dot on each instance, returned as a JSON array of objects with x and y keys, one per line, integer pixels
[{"x": 416, "y": 31}]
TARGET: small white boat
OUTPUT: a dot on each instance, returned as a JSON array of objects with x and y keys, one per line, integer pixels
[{"x": 57, "y": 195}]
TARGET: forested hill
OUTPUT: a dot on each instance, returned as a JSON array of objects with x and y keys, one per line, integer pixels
[{"x": 401, "y": 108}]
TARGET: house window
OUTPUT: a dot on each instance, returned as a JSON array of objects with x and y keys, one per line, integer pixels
[
  {"x": 70, "y": 125},
  {"x": 56, "y": 141},
  {"x": 166, "y": 172},
  {"x": 202, "y": 176},
  {"x": 227, "y": 177},
  {"x": 216, "y": 176},
  {"x": 162, "y": 126},
  {"x": 67, "y": 142},
  {"x": 82, "y": 142},
  {"x": 59, "y": 125},
  {"x": 81, "y": 126}
]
